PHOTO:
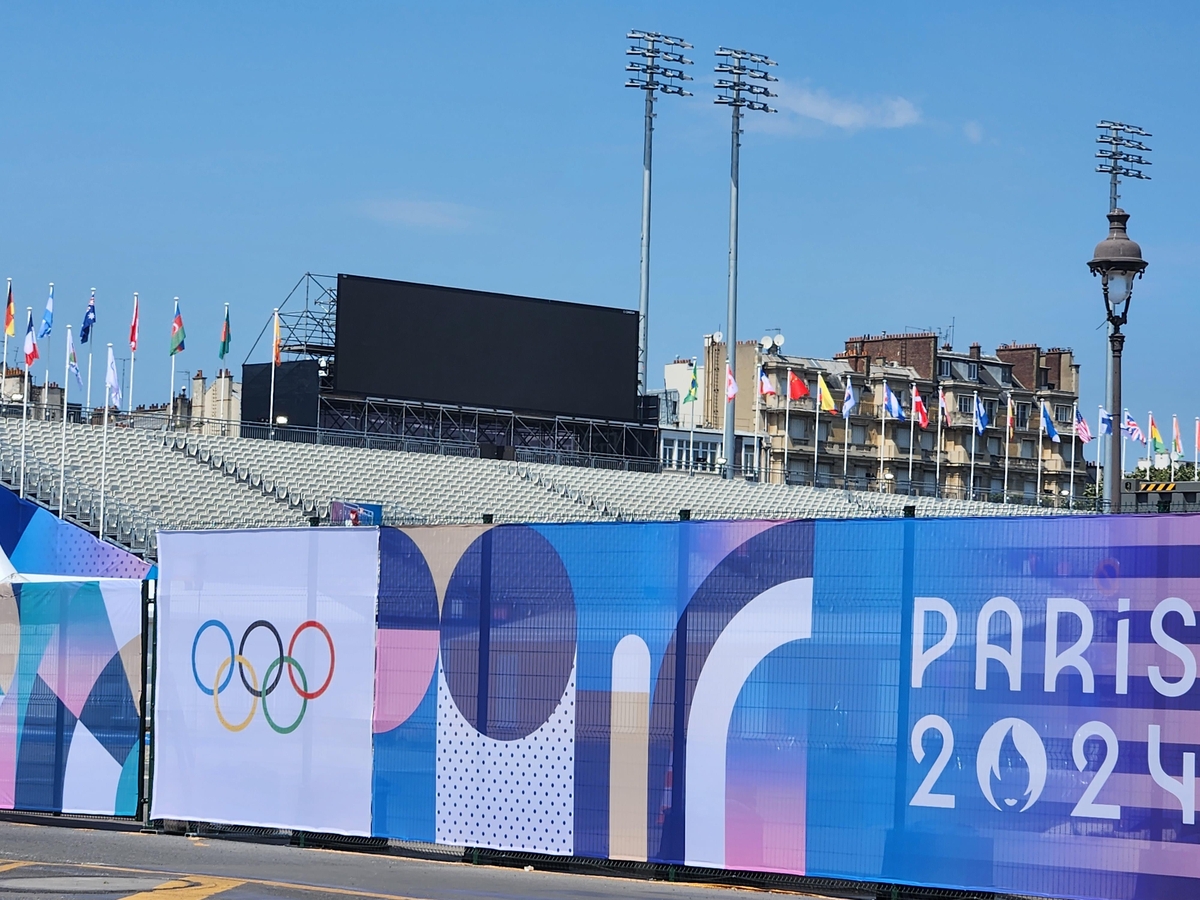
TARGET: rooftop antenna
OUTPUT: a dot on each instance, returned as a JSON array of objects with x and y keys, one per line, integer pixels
[
  {"x": 649, "y": 75},
  {"x": 1117, "y": 140}
]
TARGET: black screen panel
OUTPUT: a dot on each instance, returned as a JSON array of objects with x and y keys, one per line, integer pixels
[{"x": 407, "y": 341}]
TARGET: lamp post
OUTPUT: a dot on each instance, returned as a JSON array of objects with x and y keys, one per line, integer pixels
[{"x": 1118, "y": 261}]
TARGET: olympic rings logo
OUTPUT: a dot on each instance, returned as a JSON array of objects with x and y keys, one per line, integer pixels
[{"x": 260, "y": 691}]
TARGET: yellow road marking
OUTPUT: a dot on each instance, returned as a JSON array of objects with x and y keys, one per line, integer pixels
[
  {"x": 9, "y": 866},
  {"x": 186, "y": 881},
  {"x": 192, "y": 887}
]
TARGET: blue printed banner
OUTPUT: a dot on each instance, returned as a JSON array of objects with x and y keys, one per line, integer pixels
[{"x": 992, "y": 704}]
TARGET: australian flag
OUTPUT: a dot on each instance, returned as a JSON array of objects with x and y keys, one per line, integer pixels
[{"x": 89, "y": 319}]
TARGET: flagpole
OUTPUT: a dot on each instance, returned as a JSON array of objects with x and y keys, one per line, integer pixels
[
  {"x": 1121, "y": 474},
  {"x": 4, "y": 376},
  {"x": 104, "y": 452},
  {"x": 171, "y": 396},
  {"x": 882, "y": 431},
  {"x": 787, "y": 413},
  {"x": 912, "y": 435},
  {"x": 1149, "y": 442},
  {"x": 25, "y": 405},
  {"x": 1041, "y": 439},
  {"x": 1008, "y": 428},
  {"x": 758, "y": 375},
  {"x": 691, "y": 421},
  {"x": 1100, "y": 457},
  {"x": 1196, "y": 464},
  {"x": 937, "y": 456},
  {"x": 89, "y": 386},
  {"x": 275, "y": 349},
  {"x": 817, "y": 432},
  {"x": 132, "y": 350},
  {"x": 1074, "y": 430},
  {"x": 846, "y": 413},
  {"x": 974, "y": 437},
  {"x": 62, "y": 462}
]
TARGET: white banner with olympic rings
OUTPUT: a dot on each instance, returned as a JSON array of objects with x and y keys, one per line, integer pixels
[{"x": 265, "y": 677}]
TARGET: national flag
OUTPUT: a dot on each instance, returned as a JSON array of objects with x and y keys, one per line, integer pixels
[
  {"x": 1156, "y": 442},
  {"x": 730, "y": 384},
  {"x": 891, "y": 403},
  {"x": 31, "y": 350},
  {"x": 10, "y": 314},
  {"x": 48, "y": 315},
  {"x": 765, "y": 388},
  {"x": 824, "y": 398},
  {"x": 177, "y": 332},
  {"x": 1131, "y": 428},
  {"x": 111, "y": 381},
  {"x": 849, "y": 398},
  {"x": 227, "y": 339},
  {"x": 89, "y": 319},
  {"x": 1048, "y": 424},
  {"x": 1105, "y": 423},
  {"x": 1012, "y": 417},
  {"x": 133, "y": 326},
  {"x": 1176, "y": 440},
  {"x": 943, "y": 407},
  {"x": 72, "y": 362},
  {"x": 693, "y": 388},
  {"x": 918, "y": 408},
  {"x": 981, "y": 416},
  {"x": 797, "y": 387},
  {"x": 1081, "y": 428},
  {"x": 276, "y": 346}
]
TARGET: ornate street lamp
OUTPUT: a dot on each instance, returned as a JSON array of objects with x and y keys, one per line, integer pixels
[{"x": 1118, "y": 261}]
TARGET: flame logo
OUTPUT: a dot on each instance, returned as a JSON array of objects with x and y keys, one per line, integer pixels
[{"x": 1027, "y": 743}]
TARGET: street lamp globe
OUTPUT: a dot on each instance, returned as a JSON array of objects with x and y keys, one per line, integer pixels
[{"x": 1118, "y": 261}]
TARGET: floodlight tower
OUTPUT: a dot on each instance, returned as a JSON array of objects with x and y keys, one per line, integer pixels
[
  {"x": 650, "y": 76},
  {"x": 1115, "y": 157},
  {"x": 1120, "y": 157},
  {"x": 738, "y": 85}
]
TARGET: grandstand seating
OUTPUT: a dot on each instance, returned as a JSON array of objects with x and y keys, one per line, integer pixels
[{"x": 185, "y": 480}]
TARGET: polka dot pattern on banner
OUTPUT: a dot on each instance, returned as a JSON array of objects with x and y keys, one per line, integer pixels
[{"x": 510, "y": 795}]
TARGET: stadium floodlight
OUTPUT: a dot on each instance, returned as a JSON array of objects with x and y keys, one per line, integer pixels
[
  {"x": 652, "y": 76},
  {"x": 1116, "y": 159},
  {"x": 741, "y": 85}
]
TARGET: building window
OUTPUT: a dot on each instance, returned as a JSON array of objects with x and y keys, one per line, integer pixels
[
  {"x": 858, "y": 435},
  {"x": 966, "y": 404},
  {"x": 973, "y": 371},
  {"x": 1006, "y": 375},
  {"x": 944, "y": 368},
  {"x": 1026, "y": 449},
  {"x": 798, "y": 428},
  {"x": 1062, "y": 414},
  {"x": 1022, "y": 415},
  {"x": 989, "y": 406},
  {"x": 994, "y": 446},
  {"x": 926, "y": 440}
]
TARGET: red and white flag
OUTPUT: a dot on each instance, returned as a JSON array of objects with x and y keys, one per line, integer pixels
[
  {"x": 918, "y": 408},
  {"x": 943, "y": 409},
  {"x": 730, "y": 384},
  {"x": 133, "y": 328}
]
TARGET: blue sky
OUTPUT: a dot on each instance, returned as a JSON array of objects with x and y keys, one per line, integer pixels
[{"x": 930, "y": 162}]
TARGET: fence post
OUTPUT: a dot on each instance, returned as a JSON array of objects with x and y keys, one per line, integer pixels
[{"x": 149, "y": 696}]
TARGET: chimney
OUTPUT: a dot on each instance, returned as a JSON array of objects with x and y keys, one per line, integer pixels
[{"x": 975, "y": 350}]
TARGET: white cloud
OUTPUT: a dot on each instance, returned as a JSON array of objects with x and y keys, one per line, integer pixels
[
  {"x": 433, "y": 214},
  {"x": 973, "y": 132},
  {"x": 800, "y": 103}
]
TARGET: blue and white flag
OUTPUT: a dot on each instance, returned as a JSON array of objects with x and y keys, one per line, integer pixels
[
  {"x": 89, "y": 319},
  {"x": 111, "y": 381},
  {"x": 981, "y": 416},
  {"x": 891, "y": 403},
  {"x": 48, "y": 315},
  {"x": 850, "y": 399},
  {"x": 1105, "y": 422},
  {"x": 1048, "y": 424},
  {"x": 72, "y": 361}
]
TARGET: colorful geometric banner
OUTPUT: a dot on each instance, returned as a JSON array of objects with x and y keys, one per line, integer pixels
[
  {"x": 983, "y": 704},
  {"x": 70, "y": 715},
  {"x": 266, "y": 652}
]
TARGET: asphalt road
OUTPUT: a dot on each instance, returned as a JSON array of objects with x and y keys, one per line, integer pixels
[{"x": 49, "y": 861}]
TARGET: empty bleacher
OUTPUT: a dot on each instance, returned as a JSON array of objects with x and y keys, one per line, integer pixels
[{"x": 174, "y": 480}]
